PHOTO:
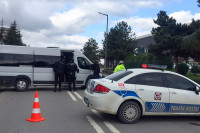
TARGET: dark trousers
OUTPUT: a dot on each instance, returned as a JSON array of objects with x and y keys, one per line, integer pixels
[
  {"x": 58, "y": 80},
  {"x": 71, "y": 79}
]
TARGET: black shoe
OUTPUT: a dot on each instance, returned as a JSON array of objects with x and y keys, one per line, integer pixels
[
  {"x": 70, "y": 89},
  {"x": 54, "y": 90},
  {"x": 74, "y": 89}
]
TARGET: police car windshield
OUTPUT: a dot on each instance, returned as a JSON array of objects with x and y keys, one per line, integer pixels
[{"x": 118, "y": 75}]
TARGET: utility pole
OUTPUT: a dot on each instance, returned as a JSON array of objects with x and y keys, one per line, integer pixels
[{"x": 105, "y": 61}]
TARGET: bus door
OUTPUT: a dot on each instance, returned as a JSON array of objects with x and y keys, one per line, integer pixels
[{"x": 84, "y": 69}]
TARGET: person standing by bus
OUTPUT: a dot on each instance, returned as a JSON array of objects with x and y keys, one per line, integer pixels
[
  {"x": 59, "y": 70},
  {"x": 72, "y": 69},
  {"x": 96, "y": 69}
]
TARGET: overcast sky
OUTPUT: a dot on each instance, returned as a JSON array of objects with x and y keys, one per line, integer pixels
[{"x": 70, "y": 23}]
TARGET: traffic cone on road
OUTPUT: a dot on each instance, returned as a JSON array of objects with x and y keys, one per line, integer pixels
[{"x": 36, "y": 115}]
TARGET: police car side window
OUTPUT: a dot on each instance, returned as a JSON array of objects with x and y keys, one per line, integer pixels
[
  {"x": 152, "y": 79},
  {"x": 132, "y": 80},
  {"x": 178, "y": 82}
]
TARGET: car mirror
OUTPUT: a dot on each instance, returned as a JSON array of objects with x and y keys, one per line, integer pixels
[{"x": 197, "y": 90}]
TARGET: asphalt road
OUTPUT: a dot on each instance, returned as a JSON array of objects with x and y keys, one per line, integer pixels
[{"x": 65, "y": 113}]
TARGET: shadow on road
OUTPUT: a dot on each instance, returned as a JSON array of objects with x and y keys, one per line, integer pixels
[
  {"x": 48, "y": 88},
  {"x": 193, "y": 120}
]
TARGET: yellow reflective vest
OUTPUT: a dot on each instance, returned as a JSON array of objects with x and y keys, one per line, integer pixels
[{"x": 119, "y": 68}]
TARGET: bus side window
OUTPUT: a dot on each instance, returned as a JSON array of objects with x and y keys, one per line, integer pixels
[
  {"x": 45, "y": 61},
  {"x": 83, "y": 63}
]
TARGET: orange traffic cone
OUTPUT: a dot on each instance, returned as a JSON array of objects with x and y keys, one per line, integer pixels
[{"x": 36, "y": 115}]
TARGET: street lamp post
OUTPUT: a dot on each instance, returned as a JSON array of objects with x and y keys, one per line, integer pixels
[{"x": 105, "y": 61}]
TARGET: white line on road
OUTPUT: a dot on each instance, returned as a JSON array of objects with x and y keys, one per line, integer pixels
[
  {"x": 78, "y": 96},
  {"x": 111, "y": 127},
  {"x": 108, "y": 124},
  {"x": 96, "y": 113},
  {"x": 95, "y": 125},
  {"x": 73, "y": 98}
]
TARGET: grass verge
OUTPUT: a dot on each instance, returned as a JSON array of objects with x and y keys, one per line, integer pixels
[{"x": 196, "y": 77}]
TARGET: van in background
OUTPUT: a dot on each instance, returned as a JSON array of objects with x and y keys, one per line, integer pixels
[{"x": 22, "y": 66}]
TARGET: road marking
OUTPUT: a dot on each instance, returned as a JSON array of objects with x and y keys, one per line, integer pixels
[
  {"x": 73, "y": 98},
  {"x": 96, "y": 113},
  {"x": 78, "y": 96},
  {"x": 108, "y": 124},
  {"x": 111, "y": 127},
  {"x": 95, "y": 125}
]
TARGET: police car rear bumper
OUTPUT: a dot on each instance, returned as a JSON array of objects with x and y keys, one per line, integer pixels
[{"x": 101, "y": 102}]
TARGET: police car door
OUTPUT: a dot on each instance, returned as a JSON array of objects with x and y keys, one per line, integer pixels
[
  {"x": 183, "y": 98},
  {"x": 150, "y": 88}
]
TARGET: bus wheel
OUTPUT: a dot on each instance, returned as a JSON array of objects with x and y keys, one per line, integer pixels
[{"x": 21, "y": 84}]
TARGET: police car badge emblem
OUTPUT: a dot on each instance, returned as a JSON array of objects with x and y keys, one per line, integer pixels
[{"x": 157, "y": 96}]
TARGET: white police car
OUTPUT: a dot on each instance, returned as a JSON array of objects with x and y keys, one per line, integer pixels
[{"x": 135, "y": 92}]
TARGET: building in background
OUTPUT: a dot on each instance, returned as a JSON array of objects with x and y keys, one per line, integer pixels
[
  {"x": 5, "y": 31},
  {"x": 143, "y": 43}
]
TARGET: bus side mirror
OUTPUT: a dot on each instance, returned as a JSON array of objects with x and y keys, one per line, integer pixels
[{"x": 197, "y": 90}]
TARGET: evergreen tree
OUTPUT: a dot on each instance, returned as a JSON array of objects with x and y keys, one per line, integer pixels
[
  {"x": 14, "y": 36},
  {"x": 191, "y": 45},
  {"x": 198, "y": 1},
  {"x": 120, "y": 42},
  {"x": 169, "y": 37},
  {"x": 90, "y": 49}
]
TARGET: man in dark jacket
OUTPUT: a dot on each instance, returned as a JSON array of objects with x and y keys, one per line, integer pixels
[
  {"x": 72, "y": 69},
  {"x": 96, "y": 69},
  {"x": 59, "y": 69}
]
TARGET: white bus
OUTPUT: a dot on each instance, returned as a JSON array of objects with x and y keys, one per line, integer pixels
[{"x": 22, "y": 66}]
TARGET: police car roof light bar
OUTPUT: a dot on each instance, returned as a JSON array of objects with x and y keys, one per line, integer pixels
[{"x": 152, "y": 66}]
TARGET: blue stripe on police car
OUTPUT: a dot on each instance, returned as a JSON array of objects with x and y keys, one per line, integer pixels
[
  {"x": 171, "y": 107},
  {"x": 125, "y": 93}
]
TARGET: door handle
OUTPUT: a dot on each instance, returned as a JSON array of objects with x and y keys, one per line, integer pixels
[
  {"x": 141, "y": 89},
  {"x": 174, "y": 93}
]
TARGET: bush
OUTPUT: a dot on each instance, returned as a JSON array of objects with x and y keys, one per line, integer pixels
[
  {"x": 195, "y": 69},
  {"x": 183, "y": 68}
]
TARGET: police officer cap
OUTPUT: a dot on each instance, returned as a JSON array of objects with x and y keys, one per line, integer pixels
[{"x": 121, "y": 62}]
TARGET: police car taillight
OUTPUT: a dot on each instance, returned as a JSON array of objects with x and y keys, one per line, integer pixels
[
  {"x": 101, "y": 89},
  {"x": 144, "y": 66},
  {"x": 160, "y": 67}
]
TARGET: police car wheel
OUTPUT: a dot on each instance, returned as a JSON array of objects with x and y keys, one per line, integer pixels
[
  {"x": 129, "y": 112},
  {"x": 21, "y": 84}
]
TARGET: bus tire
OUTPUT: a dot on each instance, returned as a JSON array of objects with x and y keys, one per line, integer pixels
[{"x": 21, "y": 84}]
